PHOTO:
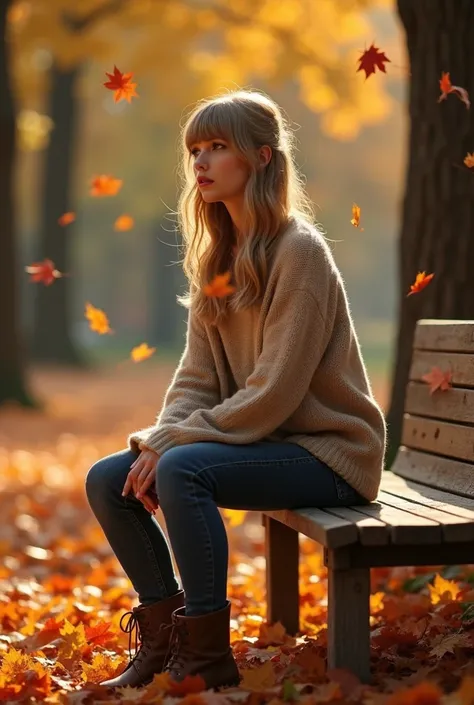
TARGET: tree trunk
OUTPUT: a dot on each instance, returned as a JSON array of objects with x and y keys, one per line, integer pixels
[
  {"x": 12, "y": 382},
  {"x": 52, "y": 339},
  {"x": 438, "y": 208}
]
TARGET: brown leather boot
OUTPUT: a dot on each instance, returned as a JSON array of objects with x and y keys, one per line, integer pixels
[
  {"x": 154, "y": 627},
  {"x": 201, "y": 646}
]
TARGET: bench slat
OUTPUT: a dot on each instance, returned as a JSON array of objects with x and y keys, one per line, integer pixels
[
  {"x": 453, "y": 404},
  {"x": 316, "y": 524},
  {"x": 431, "y": 497},
  {"x": 372, "y": 532},
  {"x": 453, "y": 528},
  {"x": 433, "y": 470},
  {"x": 404, "y": 527},
  {"x": 438, "y": 437},
  {"x": 460, "y": 364},
  {"x": 444, "y": 335}
]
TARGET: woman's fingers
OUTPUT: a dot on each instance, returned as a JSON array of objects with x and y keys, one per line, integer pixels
[{"x": 146, "y": 480}]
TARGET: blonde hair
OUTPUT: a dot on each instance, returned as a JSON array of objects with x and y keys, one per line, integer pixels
[{"x": 247, "y": 120}]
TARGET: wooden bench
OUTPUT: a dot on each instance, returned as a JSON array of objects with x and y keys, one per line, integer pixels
[{"x": 424, "y": 513}]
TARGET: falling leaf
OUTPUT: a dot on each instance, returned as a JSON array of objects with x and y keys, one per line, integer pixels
[
  {"x": 141, "y": 352},
  {"x": 44, "y": 271},
  {"x": 97, "y": 319},
  {"x": 67, "y": 218},
  {"x": 355, "y": 221},
  {"x": 446, "y": 88},
  {"x": 469, "y": 160},
  {"x": 437, "y": 379},
  {"x": 442, "y": 588},
  {"x": 121, "y": 84},
  {"x": 422, "y": 280},
  {"x": 219, "y": 287},
  {"x": 105, "y": 185},
  {"x": 124, "y": 222},
  {"x": 371, "y": 59}
]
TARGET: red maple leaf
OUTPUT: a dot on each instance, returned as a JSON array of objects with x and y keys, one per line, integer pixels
[
  {"x": 121, "y": 84},
  {"x": 422, "y": 280},
  {"x": 437, "y": 379},
  {"x": 371, "y": 59},
  {"x": 45, "y": 272}
]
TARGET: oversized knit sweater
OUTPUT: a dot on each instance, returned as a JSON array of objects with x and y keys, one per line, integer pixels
[{"x": 287, "y": 370}]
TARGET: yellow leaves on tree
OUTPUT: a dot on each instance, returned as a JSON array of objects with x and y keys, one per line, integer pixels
[
  {"x": 371, "y": 59},
  {"x": 219, "y": 286},
  {"x": 446, "y": 88},
  {"x": 105, "y": 185},
  {"x": 422, "y": 280},
  {"x": 121, "y": 84},
  {"x": 44, "y": 271},
  {"x": 141, "y": 352},
  {"x": 98, "y": 320},
  {"x": 437, "y": 379},
  {"x": 123, "y": 223}
]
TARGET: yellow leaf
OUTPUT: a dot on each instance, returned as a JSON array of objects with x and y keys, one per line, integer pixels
[
  {"x": 141, "y": 352},
  {"x": 98, "y": 319},
  {"x": 443, "y": 589},
  {"x": 257, "y": 679}
]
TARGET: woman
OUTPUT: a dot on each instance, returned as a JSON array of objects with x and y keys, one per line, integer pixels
[{"x": 270, "y": 406}]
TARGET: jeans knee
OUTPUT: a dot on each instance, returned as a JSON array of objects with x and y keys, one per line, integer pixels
[
  {"x": 172, "y": 471},
  {"x": 97, "y": 481}
]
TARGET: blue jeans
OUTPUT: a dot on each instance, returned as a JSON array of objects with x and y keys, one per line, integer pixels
[{"x": 192, "y": 481}]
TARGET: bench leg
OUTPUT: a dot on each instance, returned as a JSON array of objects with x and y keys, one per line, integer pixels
[
  {"x": 348, "y": 620},
  {"x": 282, "y": 574}
]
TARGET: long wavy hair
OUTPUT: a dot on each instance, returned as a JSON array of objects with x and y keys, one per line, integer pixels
[{"x": 247, "y": 120}]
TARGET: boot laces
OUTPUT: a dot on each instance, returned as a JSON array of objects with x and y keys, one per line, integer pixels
[
  {"x": 174, "y": 657},
  {"x": 134, "y": 624}
]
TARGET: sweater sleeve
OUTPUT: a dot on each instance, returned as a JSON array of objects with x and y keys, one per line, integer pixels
[
  {"x": 195, "y": 385},
  {"x": 296, "y": 333}
]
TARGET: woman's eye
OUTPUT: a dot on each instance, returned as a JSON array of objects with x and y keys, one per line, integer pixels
[{"x": 214, "y": 144}]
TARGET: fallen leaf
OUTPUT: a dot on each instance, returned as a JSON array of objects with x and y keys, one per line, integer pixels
[
  {"x": 97, "y": 319},
  {"x": 258, "y": 679},
  {"x": 124, "y": 222},
  {"x": 447, "y": 88},
  {"x": 44, "y": 271},
  {"x": 219, "y": 286},
  {"x": 437, "y": 379},
  {"x": 424, "y": 693},
  {"x": 371, "y": 59},
  {"x": 67, "y": 218},
  {"x": 447, "y": 643},
  {"x": 105, "y": 185},
  {"x": 142, "y": 352},
  {"x": 422, "y": 280},
  {"x": 121, "y": 84}
]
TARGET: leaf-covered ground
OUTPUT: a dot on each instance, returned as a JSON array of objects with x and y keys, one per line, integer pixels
[{"x": 62, "y": 592}]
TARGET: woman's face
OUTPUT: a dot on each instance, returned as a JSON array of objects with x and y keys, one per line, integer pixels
[{"x": 216, "y": 161}]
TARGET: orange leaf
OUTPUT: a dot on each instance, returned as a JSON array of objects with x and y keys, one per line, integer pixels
[
  {"x": 141, "y": 352},
  {"x": 121, "y": 84},
  {"x": 257, "y": 679},
  {"x": 422, "y": 280},
  {"x": 437, "y": 379},
  {"x": 124, "y": 222},
  {"x": 97, "y": 319},
  {"x": 105, "y": 185},
  {"x": 355, "y": 221},
  {"x": 425, "y": 693},
  {"x": 219, "y": 287},
  {"x": 446, "y": 88},
  {"x": 370, "y": 59},
  {"x": 442, "y": 588},
  {"x": 190, "y": 684},
  {"x": 469, "y": 160},
  {"x": 44, "y": 271},
  {"x": 67, "y": 218}
]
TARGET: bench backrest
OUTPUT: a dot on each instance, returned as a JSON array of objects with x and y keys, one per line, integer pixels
[{"x": 437, "y": 447}]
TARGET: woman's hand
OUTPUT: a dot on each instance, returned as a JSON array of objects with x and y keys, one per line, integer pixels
[{"x": 141, "y": 477}]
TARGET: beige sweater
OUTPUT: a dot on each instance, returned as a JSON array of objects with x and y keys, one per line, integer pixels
[{"x": 289, "y": 370}]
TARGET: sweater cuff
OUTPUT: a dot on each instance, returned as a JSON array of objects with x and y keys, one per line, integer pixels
[{"x": 156, "y": 438}]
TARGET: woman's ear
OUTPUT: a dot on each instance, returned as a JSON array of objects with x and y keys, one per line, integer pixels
[{"x": 265, "y": 154}]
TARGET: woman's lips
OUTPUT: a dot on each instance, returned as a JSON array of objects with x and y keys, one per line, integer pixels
[{"x": 205, "y": 183}]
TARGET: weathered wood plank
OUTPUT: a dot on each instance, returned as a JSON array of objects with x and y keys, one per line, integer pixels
[
  {"x": 282, "y": 574},
  {"x": 453, "y": 528},
  {"x": 348, "y": 621},
  {"x": 452, "y": 404},
  {"x": 461, "y": 366},
  {"x": 372, "y": 532},
  {"x": 452, "y": 503},
  {"x": 452, "y": 475},
  {"x": 444, "y": 335},
  {"x": 318, "y": 525},
  {"x": 438, "y": 437},
  {"x": 358, "y": 556},
  {"x": 404, "y": 526}
]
